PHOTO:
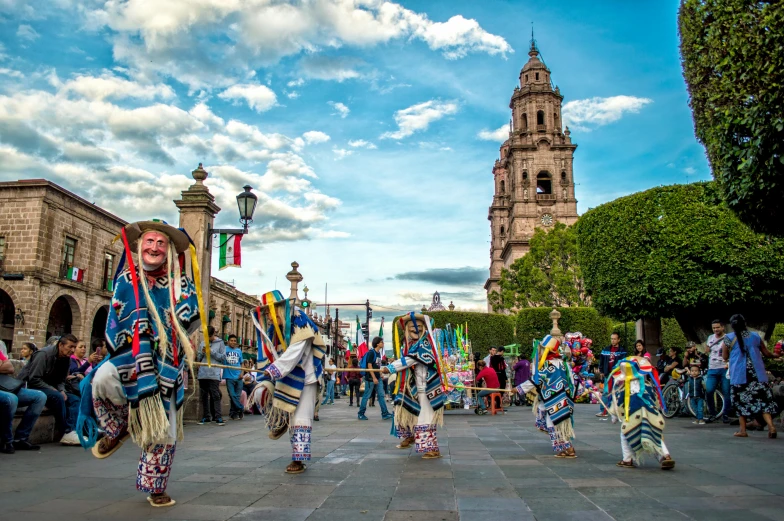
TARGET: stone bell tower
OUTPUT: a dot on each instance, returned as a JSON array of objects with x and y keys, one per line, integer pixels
[{"x": 534, "y": 183}]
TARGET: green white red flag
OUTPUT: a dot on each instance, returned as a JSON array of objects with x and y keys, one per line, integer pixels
[
  {"x": 230, "y": 251},
  {"x": 75, "y": 274}
]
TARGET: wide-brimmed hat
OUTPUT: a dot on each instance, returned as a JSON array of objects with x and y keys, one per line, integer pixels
[
  {"x": 271, "y": 298},
  {"x": 178, "y": 237}
]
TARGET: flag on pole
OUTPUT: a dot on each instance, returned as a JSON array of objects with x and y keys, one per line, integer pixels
[
  {"x": 230, "y": 251},
  {"x": 381, "y": 329},
  {"x": 75, "y": 274},
  {"x": 362, "y": 346}
]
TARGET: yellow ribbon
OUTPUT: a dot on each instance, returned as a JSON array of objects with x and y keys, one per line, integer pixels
[
  {"x": 274, "y": 316},
  {"x": 200, "y": 299},
  {"x": 627, "y": 388},
  {"x": 396, "y": 342},
  {"x": 543, "y": 358}
]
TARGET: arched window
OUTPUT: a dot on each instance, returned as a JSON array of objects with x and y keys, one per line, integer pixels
[
  {"x": 525, "y": 176},
  {"x": 503, "y": 186},
  {"x": 544, "y": 184},
  {"x": 555, "y": 119},
  {"x": 540, "y": 117},
  {"x": 563, "y": 177},
  {"x": 526, "y": 78},
  {"x": 503, "y": 231},
  {"x": 537, "y": 76},
  {"x": 525, "y": 121}
]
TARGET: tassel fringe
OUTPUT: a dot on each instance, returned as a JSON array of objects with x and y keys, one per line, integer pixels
[{"x": 148, "y": 423}]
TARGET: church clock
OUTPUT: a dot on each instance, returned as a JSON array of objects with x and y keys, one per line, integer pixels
[{"x": 547, "y": 219}]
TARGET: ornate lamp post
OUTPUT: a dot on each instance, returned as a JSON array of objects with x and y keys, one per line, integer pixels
[{"x": 246, "y": 202}]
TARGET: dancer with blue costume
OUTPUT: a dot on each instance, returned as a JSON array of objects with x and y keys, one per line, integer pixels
[
  {"x": 637, "y": 402},
  {"x": 138, "y": 391},
  {"x": 420, "y": 407},
  {"x": 553, "y": 405},
  {"x": 290, "y": 361}
]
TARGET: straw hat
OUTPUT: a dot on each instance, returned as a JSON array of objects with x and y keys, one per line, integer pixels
[{"x": 178, "y": 237}]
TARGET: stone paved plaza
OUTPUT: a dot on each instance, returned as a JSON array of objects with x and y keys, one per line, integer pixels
[{"x": 495, "y": 468}]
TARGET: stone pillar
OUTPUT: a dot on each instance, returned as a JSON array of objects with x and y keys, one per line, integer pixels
[
  {"x": 555, "y": 332},
  {"x": 197, "y": 216},
  {"x": 649, "y": 330},
  {"x": 295, "y": 278}
]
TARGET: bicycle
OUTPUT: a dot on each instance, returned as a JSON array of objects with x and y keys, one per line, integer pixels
[{"x": 677, "y": 402}]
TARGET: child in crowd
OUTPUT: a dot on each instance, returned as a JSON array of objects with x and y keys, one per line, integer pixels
[{"x": 695, "y": 391}]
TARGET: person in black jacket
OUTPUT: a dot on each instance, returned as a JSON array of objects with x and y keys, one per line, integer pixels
[{"x": 47, "y": 372}]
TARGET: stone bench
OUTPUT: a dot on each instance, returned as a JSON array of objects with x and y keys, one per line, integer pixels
[{"x": 44, "y": 429}]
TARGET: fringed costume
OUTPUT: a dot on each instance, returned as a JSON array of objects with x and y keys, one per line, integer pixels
[
  {"x": 637, "y": 401},
  {"x": 420, "y": 409},
  {"x": 553, "y": 405},
  {"x": 138, "y": 390},
  {"x": 291, "y": 361}
]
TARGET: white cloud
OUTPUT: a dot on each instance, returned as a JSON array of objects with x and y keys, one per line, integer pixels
[
  {"x": 361, "y": 143},
  {"x": 111, "y": 86},
  {"x": 25, "y": 32},
  {"x": 583, "y": 114},
  {"x": 689, "y": 170},
  {"x": 258, "y": 97},
  {"x": 10, "y": 72},
  {"x": 331, "y": 68},
  {"x": 418, "y": 117},
  {"x": 341, "y": 109},
  {"x": 341, "y": 153},
  {"x": 212, "y": 42},
  {"x": 314, "y": 136},
  {"x": 291, "y": 95},
  {"x": 299, "y": 82},
  {"x": 501, "y": 134}
]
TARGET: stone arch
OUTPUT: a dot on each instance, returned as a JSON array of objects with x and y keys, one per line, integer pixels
[
  {"x": 8, "y": 305},
  {"x": 61, "y": 323},
  {"x": 544, "y": 183},
  {"x": 100, "y": 315}
]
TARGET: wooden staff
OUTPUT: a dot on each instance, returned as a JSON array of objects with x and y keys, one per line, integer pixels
[
  {"x": 481, "y": 388},
  {"x": 221, "y": 366},
  {"x": 346, "y": 369}
]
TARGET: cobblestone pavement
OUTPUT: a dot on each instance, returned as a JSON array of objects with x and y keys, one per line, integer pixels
[{"x": 496, "y": 468}]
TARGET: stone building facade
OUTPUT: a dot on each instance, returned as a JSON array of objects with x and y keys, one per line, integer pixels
[
  {"x": 47, "y": 236},
  {"x": 534, "y": 183}
]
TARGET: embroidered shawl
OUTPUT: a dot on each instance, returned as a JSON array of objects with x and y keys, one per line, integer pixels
[{"x": 408, "y": 412}]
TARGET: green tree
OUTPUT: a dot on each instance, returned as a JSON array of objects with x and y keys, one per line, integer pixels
[
  {"x": 733, "y": 62},
  {"x": 678, "y": 251},
  {"x": 548, "y": 275}
]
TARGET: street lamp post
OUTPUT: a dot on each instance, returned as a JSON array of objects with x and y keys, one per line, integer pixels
[{"x": 246, "y": 202}]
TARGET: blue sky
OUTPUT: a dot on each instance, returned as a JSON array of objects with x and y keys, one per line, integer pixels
[{"x": 368, "y": 128}]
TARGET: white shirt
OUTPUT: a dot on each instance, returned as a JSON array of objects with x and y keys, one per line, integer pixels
[
  {"x": 716, "y": 360},
  {"x": 331, "y": 367},
  {"x": 296, "y": 352}
]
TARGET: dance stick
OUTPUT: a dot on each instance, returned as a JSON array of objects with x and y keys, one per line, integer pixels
[
  {"x": 337, "y": 370},
  {"x": 481, "y": 389},
  {"x": 220, "y": 366}
]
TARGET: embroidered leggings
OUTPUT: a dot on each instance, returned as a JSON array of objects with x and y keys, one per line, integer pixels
[{"x": 302, "y": 423}]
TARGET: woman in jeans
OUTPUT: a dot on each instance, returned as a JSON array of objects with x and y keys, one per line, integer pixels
[
  {"x": 329, "y": 375},
  {"x": 750, "y": 392}
]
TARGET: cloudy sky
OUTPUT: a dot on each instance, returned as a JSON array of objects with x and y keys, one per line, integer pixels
[{"x": 367, "y": 128}]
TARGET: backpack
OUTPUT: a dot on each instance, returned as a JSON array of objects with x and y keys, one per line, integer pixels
[{"x": 363, "y": 364}]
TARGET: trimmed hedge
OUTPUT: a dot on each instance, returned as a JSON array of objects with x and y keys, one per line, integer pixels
[
  {"x": 485, "y": 330},
  {"x": 672, "y": 334},
  {"x": 674, "y": 251},
  {"x": 534, "y": 323}
]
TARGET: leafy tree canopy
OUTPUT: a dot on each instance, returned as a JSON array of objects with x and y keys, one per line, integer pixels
[
  {"x": 733, "y": 62},
  {"x": 548, "y": 275},
  {"x": 672, "y": 249}
]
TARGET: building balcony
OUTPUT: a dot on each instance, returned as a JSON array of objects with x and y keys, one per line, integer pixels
[
  {"x": 545, "y": 197},
  {"x": 541, "y": 128}
]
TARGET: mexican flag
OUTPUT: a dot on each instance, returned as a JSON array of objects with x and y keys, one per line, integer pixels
[
  {"x": 75, "y": 274},
  {"x": 362, "y": 346},
  {"x": 230, "y": 252}
]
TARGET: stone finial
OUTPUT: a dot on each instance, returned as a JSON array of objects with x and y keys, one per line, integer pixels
[
  {"x": 305, "y": 291},
  {"x": 424, "y": 309},
  {"x": 451, "y": 306},
  {"x": 555, "y": 331},
  {"x": 295, "y": 277},
  {"x": 200, "y": 174}
]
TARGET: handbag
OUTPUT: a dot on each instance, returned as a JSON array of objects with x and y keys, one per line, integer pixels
[{"x": 10, "y": 384}]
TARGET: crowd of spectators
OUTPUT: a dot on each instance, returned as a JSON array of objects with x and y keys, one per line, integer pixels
[{"x": 49, "y": 379}]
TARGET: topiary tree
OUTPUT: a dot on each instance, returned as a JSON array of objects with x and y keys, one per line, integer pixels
[
  {"x": 733, "y": 62},
  {"x": 678, "y": 251},
  {"x": 548, "y": 275}
]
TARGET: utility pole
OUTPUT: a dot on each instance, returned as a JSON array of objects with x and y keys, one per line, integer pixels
[
  {"x": 337, "y": 330},
  {"x": 368, "y": 315}
]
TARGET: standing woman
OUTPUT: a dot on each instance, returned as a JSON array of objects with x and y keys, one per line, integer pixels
[
  {"x": 749, "y": 391},
  {"x": 329, "y": 375}
]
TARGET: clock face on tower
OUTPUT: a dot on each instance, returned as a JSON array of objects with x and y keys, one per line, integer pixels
[{"x": 547, "y": 219}]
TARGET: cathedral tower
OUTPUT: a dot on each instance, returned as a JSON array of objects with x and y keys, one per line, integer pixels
[{"x": 534, "y": 185}]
